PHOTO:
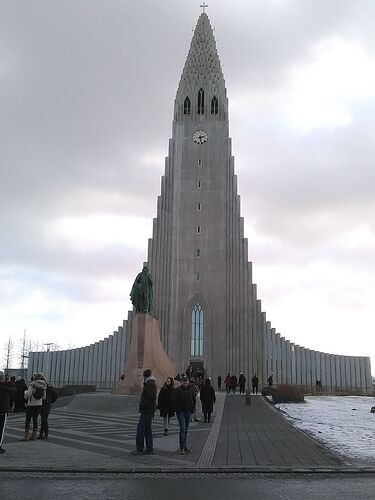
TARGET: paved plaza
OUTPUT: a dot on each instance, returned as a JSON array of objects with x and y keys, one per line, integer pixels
[{"x": 96, "y": 432}]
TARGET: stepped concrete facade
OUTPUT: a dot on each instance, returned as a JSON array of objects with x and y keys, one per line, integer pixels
[{"x": 204, "y": 297}]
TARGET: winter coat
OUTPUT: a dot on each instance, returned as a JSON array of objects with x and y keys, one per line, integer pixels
[
  {"x": 51, "y": 396},
  {"x": 208, "y": 398},
  {"x": 182, "y": 400},
  {"x": 31, "y": 401},
  {"x": 233, "y": 381},
  {"x": 147, "y": 403},
  {"x": 7, "y": 392},
  {"x": 242, "y": 380},
  {"x": 255, "y": 381},
  {"x": 165, "y": 401},
  {"x": 228, "y": 380}
]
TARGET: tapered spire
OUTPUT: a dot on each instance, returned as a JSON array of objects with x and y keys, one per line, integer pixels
[{"x": 202, "y": 67}]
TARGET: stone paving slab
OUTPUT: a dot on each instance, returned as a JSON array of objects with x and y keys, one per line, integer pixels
[
  {"x": 240, "y": 438},
  {"x": 259, "y": 435}
]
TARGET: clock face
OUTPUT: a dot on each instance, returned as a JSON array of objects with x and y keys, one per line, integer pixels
[{"x": 200, "y": 137}]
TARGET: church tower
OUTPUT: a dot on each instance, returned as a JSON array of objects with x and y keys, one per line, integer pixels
[
  {"x": 198, "y": 254},
  {"x": 204, "y": 297}
]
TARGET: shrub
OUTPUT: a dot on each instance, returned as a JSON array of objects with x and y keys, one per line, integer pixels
[{"x": 284, "y": 393}]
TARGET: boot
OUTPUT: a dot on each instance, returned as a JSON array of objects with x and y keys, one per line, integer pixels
[
  {"x": 33, "y": 436},
  {"x": 26, "y": 436}
]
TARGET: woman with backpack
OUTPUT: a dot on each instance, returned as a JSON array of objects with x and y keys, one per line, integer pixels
[
  {"x": 34, "y": 396},
  {"x": 51, "y": 396}
]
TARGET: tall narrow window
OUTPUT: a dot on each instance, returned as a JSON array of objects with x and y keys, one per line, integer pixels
[
  {"x": 199, "y": 184},
  {"x": 201, "y": 102},
  {"x": 199, "y": 162},
  {"x": 214, "y": 106},
  {"x": 198, "y": 253},
  {"x": 198, "y": 207},
  {"x": 187, "y": 106},
  {"x": 196, "y": 348},
  {"x": 198, "y": 277},
  {"x": 199, "y": 230}
]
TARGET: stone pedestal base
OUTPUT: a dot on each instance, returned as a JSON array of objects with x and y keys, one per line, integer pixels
[{"x": 146, "y": 351}]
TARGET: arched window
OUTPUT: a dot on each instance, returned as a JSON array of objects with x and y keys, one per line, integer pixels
[
  {"x": 201, "y": 102},
  {"x": 196, "y": 348},
  {"x": 187, "y": 106},
  {"x": 214, "y": 105}
]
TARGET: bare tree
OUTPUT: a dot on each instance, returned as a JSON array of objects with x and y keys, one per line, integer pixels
[{"x": 9, "y": 350}]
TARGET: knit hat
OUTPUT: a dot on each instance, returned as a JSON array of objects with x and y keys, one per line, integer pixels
[{"x": 147, "y": 373}]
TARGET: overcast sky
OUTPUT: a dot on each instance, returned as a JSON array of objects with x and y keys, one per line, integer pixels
[{"x": 86, "y": 101}]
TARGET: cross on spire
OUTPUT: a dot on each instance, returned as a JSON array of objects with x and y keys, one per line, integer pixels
[{"x": 204, "y": 5}]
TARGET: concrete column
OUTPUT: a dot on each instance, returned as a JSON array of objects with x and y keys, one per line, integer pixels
[
  {"x": 62, "y": 369},
  {"x": 348, "y": 383},
  {"x": 362, "y": 368},
  {"x": 303, "y": 366},
  {"x": 313, "y": 369},
  {"x": 293, "y": 363},
  {"x": 333, "y": 371},
  {"x": 90, "y": 369},
  {"x": 110, "y": 363},
  {"x": 323, "y": 369},
  {"x": 357, "y": 374},
  {"x": 100, "y": 364},
  {"x": 338, "y": 372},
  {"x": 85, "y": 364},
  {"x": 119, "y": 368},
  {"x": 288, "y": 363},
  {"x": 353, "y": 380},
  {"x": 308, "y": 369},
  {"x": 368, "y": 375},
  {"x": 76, "y": 366},
  {"x": 328, "y": 371},
  {"x": 297, "y": 353}
]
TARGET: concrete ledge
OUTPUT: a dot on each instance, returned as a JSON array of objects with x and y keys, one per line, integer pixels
[{"x": 192, "y": 470}]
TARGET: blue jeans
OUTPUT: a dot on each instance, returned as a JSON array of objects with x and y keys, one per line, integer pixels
[
  {"x": 144, "y": 431},
  {"x": 183, "y": 421}
]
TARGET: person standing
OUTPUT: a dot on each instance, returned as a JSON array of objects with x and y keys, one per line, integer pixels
[
  {"x": 182, "y": 401},
  {"x": 208, "y": 398},
  {"x": 227, "y": 382},
  {"x": 270, "y": 380},
  {"x": 219, "y": 383},
  {"x": 35, "y": 395},
  {"x": 242, "y": 383},
  {"x": 21, "y": 387},
  {"x": 51, "y": 396},
  {"x": 254, "y": 383},
  {"x": 165, "y": 403},
  {"x": 7, "y": 391},
  {"x": 147, "y": 407}
]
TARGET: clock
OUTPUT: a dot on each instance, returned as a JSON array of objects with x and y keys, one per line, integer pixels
[{"x": 200, "y": 137}]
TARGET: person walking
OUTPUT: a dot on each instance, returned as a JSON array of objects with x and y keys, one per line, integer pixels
[
  {"x": 270, "y": 380},
  {"x": 242, "y": 383},
  {"x": 219, "y": 383},
  {"x": 227, "y": 382},
  {"x": 51, "y": 396},
  {"x": 233, "y": 383},
  {"x": 208, "y": 398},
  {"x": 165, "y": 403},
  {"x": 182, "y": 401},
  {"x": 254, "y": 383},
  {"x": 7, "y": 391},
  {"x": 147, "y": 407},
  {"x": 35, "y": 395}
]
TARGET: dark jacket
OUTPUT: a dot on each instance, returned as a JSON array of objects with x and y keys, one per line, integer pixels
[
  {"x": 51, "y": 395},
  {"x": 165, "y": 401},
  {"x": 208, "y": 398},
  {"x": 233, "y": 381},
  {"x": 7, "y": 392},
  {"x": 147, "y": 403},
  {"x": 255, "y": 381},
  {"x": 182, "y": 400},
  {"x": 242, "y": 380}
]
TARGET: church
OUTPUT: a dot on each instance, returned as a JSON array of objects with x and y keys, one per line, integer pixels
[{"x": 210, "y": 316}]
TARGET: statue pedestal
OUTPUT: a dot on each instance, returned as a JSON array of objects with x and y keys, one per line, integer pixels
[{"x": 146, "y": 351}]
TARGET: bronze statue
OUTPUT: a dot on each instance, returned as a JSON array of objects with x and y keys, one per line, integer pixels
[{"x": 142, "y": 294}]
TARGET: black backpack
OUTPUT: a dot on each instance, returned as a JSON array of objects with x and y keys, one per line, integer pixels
[{"x": 38, "y": 393}]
